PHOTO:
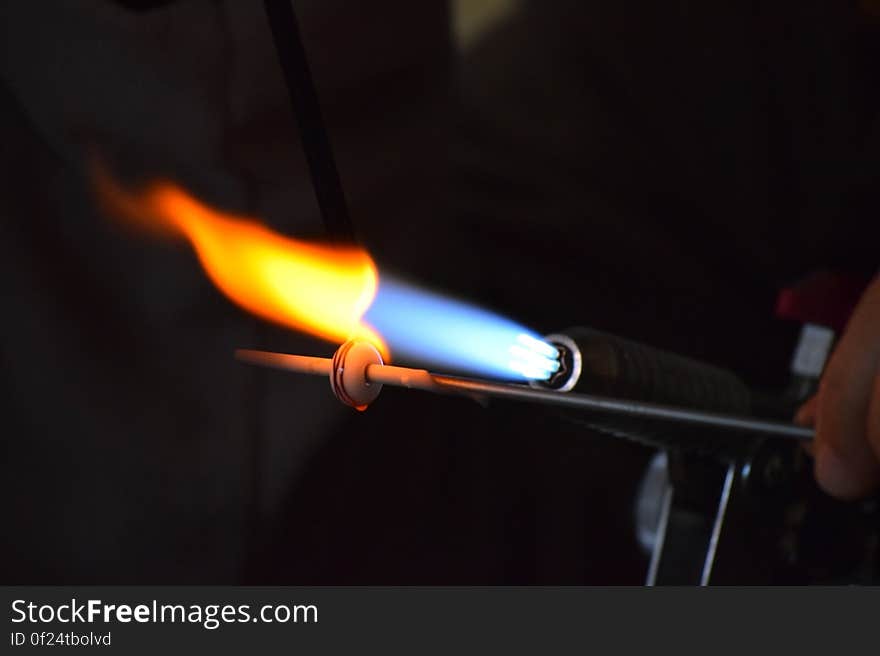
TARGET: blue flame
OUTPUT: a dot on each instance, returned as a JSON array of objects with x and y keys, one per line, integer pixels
[{"x": 432, "y": 330}]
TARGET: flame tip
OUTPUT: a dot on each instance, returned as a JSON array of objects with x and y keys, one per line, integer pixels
[{"x": 322, "y": 289}]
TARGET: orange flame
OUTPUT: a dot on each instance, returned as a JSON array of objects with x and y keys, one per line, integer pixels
[{"x": 320, "y": 289}]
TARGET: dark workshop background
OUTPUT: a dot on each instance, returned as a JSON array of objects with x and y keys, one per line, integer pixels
[{"x": 657, "y": 170}]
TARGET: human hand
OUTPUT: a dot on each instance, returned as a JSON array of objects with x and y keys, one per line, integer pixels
[{"x": 846, "y": 409}]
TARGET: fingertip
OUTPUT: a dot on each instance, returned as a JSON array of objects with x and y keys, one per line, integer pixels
[
  {"x": 841, "y": 478},
  {"x": 806, "y": 414}
]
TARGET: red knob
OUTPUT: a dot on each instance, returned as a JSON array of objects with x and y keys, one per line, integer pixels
[{"x": 824, "y": 298}]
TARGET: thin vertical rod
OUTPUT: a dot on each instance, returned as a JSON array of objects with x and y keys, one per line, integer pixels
[
  {"x": 660, "y": 535},
  {"x": 719, "y": 522},
  {"x": 307, "y": 109}
]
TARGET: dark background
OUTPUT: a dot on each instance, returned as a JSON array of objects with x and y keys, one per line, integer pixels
[{"x": 657, "y": 171}]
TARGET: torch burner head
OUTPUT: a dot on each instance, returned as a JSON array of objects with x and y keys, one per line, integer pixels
[{"x": 570, "y": 364}]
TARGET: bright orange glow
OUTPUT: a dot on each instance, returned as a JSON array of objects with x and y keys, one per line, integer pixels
[{"x": 320, "y": 289}]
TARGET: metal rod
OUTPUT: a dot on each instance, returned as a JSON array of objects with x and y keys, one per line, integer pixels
[
  {"x": 720, "y": 514},
  {"x": 421, "y": 379},
  {"x": 307, "y": 110},
  {"x": 403, "y": 377},
  {"x": 301, "y": 363},
  {"x": 660, "y": 535},
  {"x": 624, "y": 407}
]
